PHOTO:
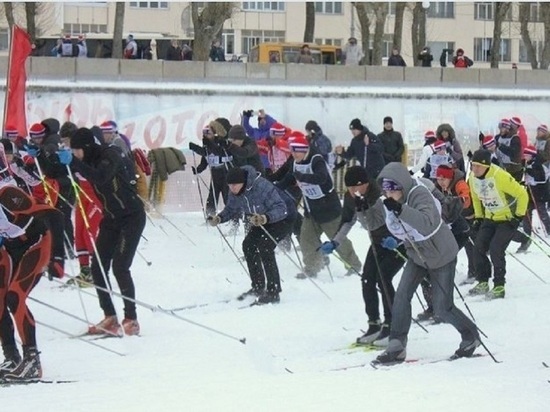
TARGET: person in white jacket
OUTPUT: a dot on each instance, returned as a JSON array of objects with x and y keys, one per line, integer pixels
[
  {"x": 352, "y": 52},
  {"x": 427, "y": 151}
]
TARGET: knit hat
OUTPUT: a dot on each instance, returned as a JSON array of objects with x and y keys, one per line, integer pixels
[
  {"x": 236, "y": 132},
  {"x": 298, "y": 142},
  {"x": 439, "y": 144},
  {"x": 515, "y": 121},
  {"x": 82, "y": 138},
  {"x": 430, "y": 134},
  {"x": 37, "y": 131},
  {"x": 504, "y": 124},
  {"x": 482, "y": 157},
  {"x": 355, "y": 176},
  {"x": 277, "y": 130},
  {"x": 488, "y": 141},
  {"x": 388, "y": 119},
  {"x": 218, "y": 129},
  {"x": 530, "y": 150},
  {"x": 67, "y": 129},
  {"x": 389, "y": 185},
  {"x": 107, "y": 127},
  {"x": 312, "y": 125},
  {"x": 11, "y": 132},
  {"x": 445, "y": 172},
  {"x": 542, "y": 128},
  {"x": 236, "y": 175},
  {"x": 356, "y": 125}
]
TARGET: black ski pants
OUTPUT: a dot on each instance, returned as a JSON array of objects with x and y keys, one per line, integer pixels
[{"x": 218, "y": 187}]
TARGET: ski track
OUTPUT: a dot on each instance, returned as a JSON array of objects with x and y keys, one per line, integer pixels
[{"x": 291, "y": 348}]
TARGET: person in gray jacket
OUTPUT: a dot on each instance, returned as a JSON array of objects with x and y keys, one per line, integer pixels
[
  {"x": 413, "y": 216},
  {"x": 271, "y": 213}
]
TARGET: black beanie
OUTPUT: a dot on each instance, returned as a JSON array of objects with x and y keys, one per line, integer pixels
[
  {"x": 356, "y": 125},
  {"x": 355, "y": 176},
  {"x": 237, "y": 132},
  {"x": 388, "y": 119},
  {"x": 312, "y": 125},
  {"x": 482, "y": 157},
  {"x": 236, "y": 175},
  {"x": 68, "y": 129},
  {"x": 82, "y": 138}
]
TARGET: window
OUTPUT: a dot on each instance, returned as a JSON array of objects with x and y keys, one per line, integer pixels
[
  {"x": 328, "y": 42},
  {"x": 483, "y": 11},
  {"x": 534, "y": 12},
  {"x": 228, "y": 41},
  {"x": 250, "y": 38},
  {"x": 263, "y": 6},
  {"x": 390, "y": 8},
  {"x": 437, "y": 48},
  {"x": 328, "y": 7},
  {"x": 441, "y": 10},
  {"x": 4, "y": 39},
  {"x": 482, "y": 49},
  {"x": 149, "y": 4},
  {"x": 523, "y": 57},
  {"x": 77, "y": 28}
]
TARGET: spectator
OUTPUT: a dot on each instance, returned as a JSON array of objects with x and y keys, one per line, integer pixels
[
  {"x": 443, "y": 57},
  {"x": 460, "y": 61},
  {"x": 66, "y": 49},
  {"x": 395, "y": 59},
  {"x": 392, "y": 142},
  {"x": 81, "y": 46},
  {"x": 305, "y": 55},
  {"x": 131, "y": 49},
  {"x": 174, "y": 52},
  {"x": 352, "y": 52},
  {"x": 56, "y": 50},
  {"x": 425, "y": 56},
  {"x": 217, "y": 53},
  {"x": 187, "y": 52},
  {"x": 318, "y": 140}
]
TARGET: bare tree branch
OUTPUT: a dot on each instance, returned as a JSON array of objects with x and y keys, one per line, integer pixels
[
  {"x": 309, "y": 31},
  {"x": 500, "y": 10},
  {"x": 118, "y": 31},
  {"x": 380, "y": 12},
  {"x": 524, "y": 17},
  {"x": 207, "y": 23},
  {"x": 364, "y": 22},
  {"x": 398, "y": 25}
]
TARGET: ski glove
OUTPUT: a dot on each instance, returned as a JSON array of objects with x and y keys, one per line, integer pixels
[
  {"x": 194, "y": 170},
  {"x": 213, "y": 220},
  {"x": 516, "y": 221},
  {"x": 481, "y": 136},
  {"x": 32, "y": 150},
  {"x": 248, "y": 113},
  {"x": 328, "y": 247},
  {"x": 389, "y": 242},
  {"x": 257, "y": 220},
  {"x": 393, "y": 205},
  {"x": 56, "y": 268},
  {"x": 65, "y": 156}
]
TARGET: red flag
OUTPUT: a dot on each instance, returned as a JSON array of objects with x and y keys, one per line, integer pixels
[{"x": 15, "y": 114}]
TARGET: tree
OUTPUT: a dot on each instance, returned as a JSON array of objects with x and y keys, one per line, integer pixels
[
  {"x": 30, "y": 13},
  {"x": 309, "y": 31},
  {"x": 8, "y": 8},
  {"x": 500, "y": 10},
  {"x": 398, "y": 25},
  {"x": 545, "y": 17},
  {"x": 418, "y": 30},
  {"x": 206, "y": 24},
  {"x": 364, "y": 22},
  {"x": 524, "y": 17},
  {"x": 118, "y": 31},
  {"x": 380, "y": 12}
]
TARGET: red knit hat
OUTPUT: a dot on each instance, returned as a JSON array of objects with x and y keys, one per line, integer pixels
[
  {"x": 107, "y": 126},
  {"x": 445, "y": 172},
  {"x": 277, "y": 130},
  {"x": 11, "y": 132},
  {"x": 439, "y": 144},
  {"x": 430, "y": 134},
  {"x": 488, "y": 141},
  {"x": 298, "y": 142},
  {"x": 515, "y": 121},
  {"x": 37, "y": 131},
  {"x": 530, "y": 150},
  {"x": 542, "y": 128},
  {"x": 504, "y": 124}
]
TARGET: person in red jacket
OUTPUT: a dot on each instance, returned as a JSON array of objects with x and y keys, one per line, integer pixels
[{"x": 460, "y": 61}]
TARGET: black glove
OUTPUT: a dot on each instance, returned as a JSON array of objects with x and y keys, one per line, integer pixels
[
  {"x": 56, "y": 268},
  {"x": 361, "y": 204},
  {"x": 393, "y": 205},
  {"x": 411, "y": 172},
  {"x": 481, "y": 137},
  {"x": 248, "y": 113},
  {"x": 298, "y": 175},
  {"x": 516, "y": 221},
  {"x": 195, "y": 147},
  {"x": 194, "y": 170},
  {"x": 469, "y": 154},
  {"x": 476, "y": 224},
  {"x": 340, "y": 164}
]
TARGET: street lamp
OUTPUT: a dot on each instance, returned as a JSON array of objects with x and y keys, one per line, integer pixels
[{"x": 426, "y": 4}]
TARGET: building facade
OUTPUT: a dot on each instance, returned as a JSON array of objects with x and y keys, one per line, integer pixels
[{"x": 449, "y": 25}]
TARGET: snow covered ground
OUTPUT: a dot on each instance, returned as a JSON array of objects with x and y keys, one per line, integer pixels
[{"x": 291, "y": 349}]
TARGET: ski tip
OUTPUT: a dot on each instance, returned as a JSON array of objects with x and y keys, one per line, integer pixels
[
  {"x": 243, "y": 341},
  {"x": 289, "y": 371}
]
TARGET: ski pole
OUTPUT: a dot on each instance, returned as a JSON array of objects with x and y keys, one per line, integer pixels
[
  {"x": 233, "y": 251},
  {"x": 154, "y": 308},
  {"x": 199, "y": 187},
  {"x": 148, "y": 262},
  {"x": 54, "y": 328}
]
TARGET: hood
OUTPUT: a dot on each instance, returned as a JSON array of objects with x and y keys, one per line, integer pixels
[
  {"x": 448, "y": 128},
  {"x": 52, "y": 125},
  {"x": 398, "y": 173}
]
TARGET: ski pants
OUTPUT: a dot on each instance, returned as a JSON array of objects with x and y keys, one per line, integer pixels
[
  {"x": 88, "y": 216},
  {"x": 381, "y": 265},
  {"x": 218, "y": 187},
  {"x": 493, "y": 238},
  {"x": 117, "y": 243},
  {"x": 259, "y": 251},
  {"x": 444, "y": 307},
  {"x": 542, "y": 212}
]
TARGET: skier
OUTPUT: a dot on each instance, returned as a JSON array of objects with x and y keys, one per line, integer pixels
[
  {"x": 384, "y": 257},
  {"x": 271, "y": 213},
  {"x": 413, "y": 216},
  {"x": 31, "y": 239}
]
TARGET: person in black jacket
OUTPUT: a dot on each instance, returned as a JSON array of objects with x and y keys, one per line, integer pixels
[
  {"x": 120, "y": 230},
  {"x": 243, "y": 149},
  {"x": 392, "y": 142},
  {"x": 396, "y": 59},
  {"x": 536, "y": 184},
  {"x": 365, "y": 147},
  {"x": 174, "y": 52},
  {"x": 384, "y": 258},
  {"x": 426, "y": 57}
]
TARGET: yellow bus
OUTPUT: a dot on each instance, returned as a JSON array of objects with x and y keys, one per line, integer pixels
[{"x": 289, "y": 53}]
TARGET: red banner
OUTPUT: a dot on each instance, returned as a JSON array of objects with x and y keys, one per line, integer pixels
[{"x": 14, "y": 107}]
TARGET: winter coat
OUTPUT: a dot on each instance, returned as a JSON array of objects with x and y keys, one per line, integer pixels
[
  {"x": 535, "y": 181},
  {"x": 305, "y": 58},
  {"x": 427, "y": 151},
  {"x": 497, "y": 196},
  {"x": 173, "y": 53},
  {"x": 247, "y": 154},
  {"x": 114, "y": 182},
  {"x": 543, "y": 148},
  {"x": 321, "y": 143},
  {"x": 353, "y": 54},
  {"x": 509, "y": 152},
  {"x": 260, "y": 196},
  {"x": 166, "y": 161},
  {"x": 458, "y": 187},
  {"x": 396, "y": 60},
  {"x": 393, "y": 145},
  {"x": 453, "y": 145},
  {"x": 260, "y": 134},
  {"x": 462, "y": 63},
  {"x": 217, "y": 54},
  {"x": 426, "y": 58},
  {"x": 435, "y": 245},
  {"x": 369, "y": 156}
]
